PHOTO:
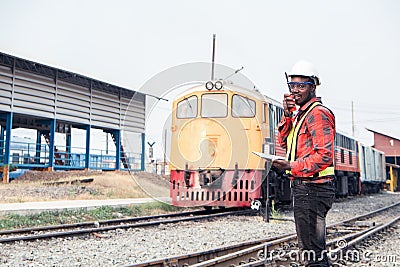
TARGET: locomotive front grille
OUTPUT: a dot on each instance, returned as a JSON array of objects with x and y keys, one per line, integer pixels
[{"x": 246, "y": 188}]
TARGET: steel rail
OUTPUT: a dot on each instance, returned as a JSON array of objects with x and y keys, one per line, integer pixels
[
  {"x": 357, "y": 240},
  {"x": 366, "y": 215},
  {"x": 189, "y": 217},
  {"x": 262, "y": 262},
  {"x": 249, "y": 253},
  {"x": 227, "y": 256},
  {"x": 108, "y": 222}
]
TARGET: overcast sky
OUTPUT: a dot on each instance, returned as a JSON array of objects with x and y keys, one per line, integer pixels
[{"x": 354, "y": 44}]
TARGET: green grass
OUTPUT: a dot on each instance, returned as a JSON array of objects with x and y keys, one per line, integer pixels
[
  {"x": 12, "y": 221},
  {"x": 275, "y": 214}
]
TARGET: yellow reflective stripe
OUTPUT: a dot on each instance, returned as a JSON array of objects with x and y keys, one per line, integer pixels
[
  {"x": 327, "y": 171},
  {"x": 289, "y": 143},
  {"x": 293, "y": 134},
  {"x": 288, "y": 147}
]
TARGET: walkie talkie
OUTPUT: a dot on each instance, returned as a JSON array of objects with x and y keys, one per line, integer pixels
[{"x": 292, "y": 109}]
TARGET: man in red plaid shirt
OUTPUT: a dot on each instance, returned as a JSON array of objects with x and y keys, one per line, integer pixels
[{"x": 308, "y": 138}]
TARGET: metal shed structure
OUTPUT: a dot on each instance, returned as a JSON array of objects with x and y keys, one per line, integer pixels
[{"x": 50, "y": 101}]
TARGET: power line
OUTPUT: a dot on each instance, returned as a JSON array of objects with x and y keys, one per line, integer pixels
[{"x": 368, "y": 110}]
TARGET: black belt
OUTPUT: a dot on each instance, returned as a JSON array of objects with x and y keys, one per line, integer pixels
[{"x": 300, "y": 182}]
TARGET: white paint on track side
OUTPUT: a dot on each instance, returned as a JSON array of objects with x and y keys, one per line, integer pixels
[{"x": 37, "y": 207}]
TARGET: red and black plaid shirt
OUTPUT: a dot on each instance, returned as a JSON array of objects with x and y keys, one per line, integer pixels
[{"x": 315, "y": 142}]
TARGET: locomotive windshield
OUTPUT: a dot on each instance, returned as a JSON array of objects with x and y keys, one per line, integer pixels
[
  {"x": 214, "y": 105},
  {"x": 187, "y": 108},
  {"x": 243, "y": 107}
]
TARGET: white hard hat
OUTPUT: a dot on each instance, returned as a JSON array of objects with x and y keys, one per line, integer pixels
[{"x": 307, "y": 69}]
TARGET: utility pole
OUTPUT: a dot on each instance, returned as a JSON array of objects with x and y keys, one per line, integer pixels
[
  {"x": 212, "y": 59},
  {"x": 352, "y": 117}
]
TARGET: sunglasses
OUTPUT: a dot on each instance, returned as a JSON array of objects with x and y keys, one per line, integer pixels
[{"x": 299, "y": 85}]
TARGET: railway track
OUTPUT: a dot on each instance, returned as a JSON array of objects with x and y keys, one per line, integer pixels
[
  {"x": 282, "y": 250},
  {"x": 65, "y": 230}
]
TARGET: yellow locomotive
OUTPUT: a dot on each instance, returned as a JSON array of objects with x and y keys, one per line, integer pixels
[{"x": 215, "y": 127}]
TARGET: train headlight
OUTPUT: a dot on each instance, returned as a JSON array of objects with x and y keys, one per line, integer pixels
[
  {"x": 209, "y": 85},
  {"x": 218, "y": 85}
]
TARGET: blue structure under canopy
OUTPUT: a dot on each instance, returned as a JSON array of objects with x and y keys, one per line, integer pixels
[{"x": 55, "y": 102}]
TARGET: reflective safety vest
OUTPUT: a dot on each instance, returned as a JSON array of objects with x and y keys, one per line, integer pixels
[{"x": 292, "y": 144}]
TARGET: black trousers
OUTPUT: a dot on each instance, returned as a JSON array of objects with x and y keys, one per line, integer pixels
[{"x": 311, "y": 203}]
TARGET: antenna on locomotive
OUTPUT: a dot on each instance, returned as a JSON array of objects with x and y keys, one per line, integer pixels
[
  {"x": 220, "y": 83},
  {"x": 213, "y": 58}
]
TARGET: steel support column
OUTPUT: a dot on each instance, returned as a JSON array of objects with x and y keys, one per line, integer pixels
[
  {"x": 87, "y": 156},
  {"x": 1, "y": 144},
  {"x": 118, "y": 150},
  {"x": 7, "y": 146},
  {"x": 51, "y": 144},
  {"x": 38, "y": 146},
  {"x": 142, "y": 158},
  {"x": 68, "y": 157}
]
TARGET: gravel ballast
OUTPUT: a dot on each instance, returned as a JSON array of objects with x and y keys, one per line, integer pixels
[{"x": 124, "y": 247}]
